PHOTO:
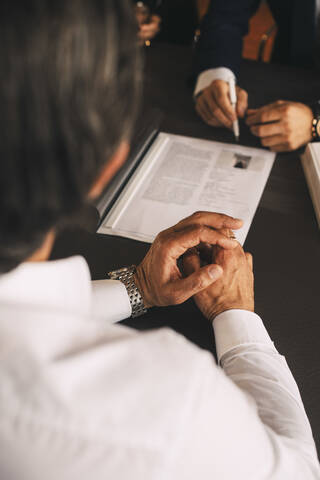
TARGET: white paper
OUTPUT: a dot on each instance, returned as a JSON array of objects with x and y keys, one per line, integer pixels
[
  {"x": 181, "y": 175},
  {"x": 311, "y": 165}
]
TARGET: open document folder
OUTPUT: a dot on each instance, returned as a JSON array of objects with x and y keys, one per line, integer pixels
[{"x": 180, "y": 175}]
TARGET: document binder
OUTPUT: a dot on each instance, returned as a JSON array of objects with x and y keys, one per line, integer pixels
[{"x": 149, "y": 127}]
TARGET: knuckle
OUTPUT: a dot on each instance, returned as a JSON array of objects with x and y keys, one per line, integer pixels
[
  {"x": 158, "y": 238},
  {"x": 286, "y": 124},
  {"x": 242, "y": 94},
  {"x": 161, "y": 239},
  {"x": 286, "y": 110},
  {"x": 197, "y": 215},
  {"x": 223, "y": 219},
  {"x": 195, "y": 230},
  {"x": 217, "y": 83},
  {"x": 199, "y": 229},
  {"x": 197, "y": 283}
]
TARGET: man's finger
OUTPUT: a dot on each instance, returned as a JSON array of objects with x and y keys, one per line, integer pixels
[
  {"x": 249, "y": 258},
  {"x": 191, "y": 261},
  {"x": 273, "y": 140},
  {"x": 221, "y": 95},
  {"x": 215, "y": 109},
  {"x": 267, "y": 129},
  {"x": 264, "y": 115},
  {"x": 179, "y": 242},
  {"x": 196, "y": 282},
  {"x": 149, "y": 27},
  {"x": 147, "y": 34},
  {"x": 221, "y": 118},
  {"x": 211, "y": 219},
  {"x": 242, "y": 103},
  {"x": 251, "y": 111},
  {"x": 203, "y": 109},
  {"x": 205, "y": 112},
  {"x": 282, "y": 147}
]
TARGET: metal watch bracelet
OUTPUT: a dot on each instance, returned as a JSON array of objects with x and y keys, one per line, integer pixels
[
  {"x": 315, "y": 107},
  {"x": 126, "y": 276}
]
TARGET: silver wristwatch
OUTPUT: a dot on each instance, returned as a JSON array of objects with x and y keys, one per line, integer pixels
[{"x": 126, "y": 276}]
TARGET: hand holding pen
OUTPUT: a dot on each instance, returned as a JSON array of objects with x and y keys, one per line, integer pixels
[
  {"x": 214, "y": 104},
  {"x": 149, "y": 23}
]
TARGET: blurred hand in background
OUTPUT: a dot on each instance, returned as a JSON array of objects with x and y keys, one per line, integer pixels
[{"x": 149, "y": 24}]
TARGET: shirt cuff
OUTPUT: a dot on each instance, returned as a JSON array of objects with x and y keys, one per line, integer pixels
[
  {"x": 110, "y": 301},
  {"x": 208, "y": 76},
  {"x": 239, "y": 327}
]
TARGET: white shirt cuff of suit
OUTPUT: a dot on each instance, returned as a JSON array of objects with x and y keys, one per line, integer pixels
[
  {"x": 208, "y": 76},
  {"x": 239, "y": 327},
  {"x": 110, "y": 301}
]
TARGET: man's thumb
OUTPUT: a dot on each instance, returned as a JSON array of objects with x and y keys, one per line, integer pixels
[
  {"x": 198, "y": 281},
  {"x": 214, "y": 272}
]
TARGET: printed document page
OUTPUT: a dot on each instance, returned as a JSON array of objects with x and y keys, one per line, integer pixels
[
  {"x": 311, "y": 165},
  {"x": 181, "y": 175}
]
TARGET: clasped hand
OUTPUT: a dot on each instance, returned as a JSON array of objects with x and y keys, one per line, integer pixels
[
  {"x": 225, "y": 280},
  {"x": 282, "y": 126}
]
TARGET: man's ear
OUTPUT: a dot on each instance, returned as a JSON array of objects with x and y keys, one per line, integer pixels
[{"x": 110, "y": 169}]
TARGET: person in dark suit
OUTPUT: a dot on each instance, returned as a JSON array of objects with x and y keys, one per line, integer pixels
[{"x": 218, "y": 57}]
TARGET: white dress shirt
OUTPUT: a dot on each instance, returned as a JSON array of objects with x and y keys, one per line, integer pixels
[
  {"x": 208, "y": 76},
  {"x": 81, "y": 398}
]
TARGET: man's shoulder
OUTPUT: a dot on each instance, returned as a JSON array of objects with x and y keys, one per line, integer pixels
[
  {"x": 111, "y": 376},
  {"x": 120, "y": 389},
  {"x": 152, "y": 384}
]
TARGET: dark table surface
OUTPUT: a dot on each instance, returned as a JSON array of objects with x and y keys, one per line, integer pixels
[{"x": 284, "y": 238}]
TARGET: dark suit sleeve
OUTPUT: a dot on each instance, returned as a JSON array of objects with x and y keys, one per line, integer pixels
[{"x": 222, "y": 32}]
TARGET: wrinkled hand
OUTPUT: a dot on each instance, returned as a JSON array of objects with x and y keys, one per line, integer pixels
[
  {"x": 282, "y": 126},
  {"x": 158, "y": 276},
  {"x": 147, "y": 31},
  {"x": 233, "y": 290},
  {"x": 214, "y": 106}
]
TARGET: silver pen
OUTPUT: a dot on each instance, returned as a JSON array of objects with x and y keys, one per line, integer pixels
[{"x": 233, "y": 100}]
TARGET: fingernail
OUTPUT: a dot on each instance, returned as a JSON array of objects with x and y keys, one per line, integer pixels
[{"x": 215, "y": 272}]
